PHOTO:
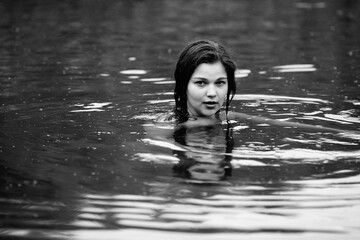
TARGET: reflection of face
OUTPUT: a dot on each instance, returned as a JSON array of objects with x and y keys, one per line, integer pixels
[
  {"x": 206, "y": 172},
  {"x": 210, "y": 138},
  {"x": 207, "y": 89},
  {"x": 204, "y": 157}
]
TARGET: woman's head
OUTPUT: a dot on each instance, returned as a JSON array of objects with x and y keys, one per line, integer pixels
[{"x": 195, "y": 54}]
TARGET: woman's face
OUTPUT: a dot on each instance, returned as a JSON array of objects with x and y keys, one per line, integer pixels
[{"x": 206, "y": 90}]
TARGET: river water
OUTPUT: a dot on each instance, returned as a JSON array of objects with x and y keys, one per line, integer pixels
[{"x": 80, "y": 157}]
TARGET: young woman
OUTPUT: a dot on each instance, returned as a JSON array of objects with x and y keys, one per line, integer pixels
[
  {"x": 205, "y": 81},
  {"x": 205, "y": 85}
]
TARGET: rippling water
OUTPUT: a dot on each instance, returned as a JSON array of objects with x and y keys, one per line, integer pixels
[{"x": 81, "y": 83}]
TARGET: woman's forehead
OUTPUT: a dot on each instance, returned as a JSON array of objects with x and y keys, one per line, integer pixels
[{"x": 206, "y": 70}]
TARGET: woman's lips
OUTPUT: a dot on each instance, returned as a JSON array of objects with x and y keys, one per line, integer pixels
[{"x": 210, "y": 104}]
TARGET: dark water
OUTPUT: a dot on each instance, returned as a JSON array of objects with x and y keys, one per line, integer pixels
[{"x": 80, "y": 158}]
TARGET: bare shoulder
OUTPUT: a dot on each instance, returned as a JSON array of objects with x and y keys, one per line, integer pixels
[
  {"x": 162, "y": 127},
  {"x": 235, "y": 116},
  {"x": 168, "y": 117},
  {"x": 280, "y": 123}
]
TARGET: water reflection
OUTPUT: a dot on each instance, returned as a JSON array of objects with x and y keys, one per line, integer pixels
[{"x": 208, "y": 155}]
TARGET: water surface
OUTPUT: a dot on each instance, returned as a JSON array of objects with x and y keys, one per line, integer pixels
[{"x": 82, "y": 81}]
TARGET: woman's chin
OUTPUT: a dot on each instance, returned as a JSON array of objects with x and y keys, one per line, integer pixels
[
  {"x": 209, "y": 113},
  {"x": 204, "y": 112}
]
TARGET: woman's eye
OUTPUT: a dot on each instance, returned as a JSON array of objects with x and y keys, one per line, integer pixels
[
  {"x": 220, "y": 82},
  {"x": 200, "y": 83}
]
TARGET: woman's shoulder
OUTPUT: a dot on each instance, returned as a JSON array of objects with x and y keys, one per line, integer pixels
[
  {"x": 166, "y": 117},
  {"x": 235, "y": 116}
]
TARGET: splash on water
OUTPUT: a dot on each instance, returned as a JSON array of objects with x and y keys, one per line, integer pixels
[
  {"x": 295, "y": 68},
  {"x": 133, "y": 72},
  {"x": 242, "y": 73},
  {"x": 91, "y": 107}
]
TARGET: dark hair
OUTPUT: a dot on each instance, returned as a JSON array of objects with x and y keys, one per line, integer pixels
[{"x": 196, "y": 53}]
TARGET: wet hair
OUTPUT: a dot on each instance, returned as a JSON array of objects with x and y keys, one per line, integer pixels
[{"x": 196, "y": 53}]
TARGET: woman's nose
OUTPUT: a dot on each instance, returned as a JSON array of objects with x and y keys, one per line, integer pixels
[{"x": 211, "y": 92}]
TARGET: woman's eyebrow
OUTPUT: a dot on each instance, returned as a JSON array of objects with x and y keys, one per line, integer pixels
[{"x": 203, "y": 78}]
